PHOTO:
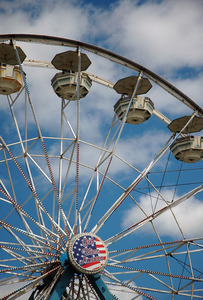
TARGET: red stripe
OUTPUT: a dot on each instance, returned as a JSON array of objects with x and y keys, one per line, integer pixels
[
  {"x": 104, "y": 258},
  {"x": 91, "y": 264}
]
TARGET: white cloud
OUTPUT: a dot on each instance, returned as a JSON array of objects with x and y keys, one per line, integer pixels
[
  {"x": 169, "y": 105},
  {"x": 7, "y": 289},
  {"x": 141, "y": 149},
  {"x": 59, "y": 18},
  {"x": 189, "y": 215},
  {"x": 158, "y": 34},
  {"x": 124, "y": 292},
  {"x": 192, "y": 87}
]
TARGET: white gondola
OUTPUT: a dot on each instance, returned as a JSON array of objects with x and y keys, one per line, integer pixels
[
  {"x": 65, "y": 85},
  {"x": 188, "y": 149},
  {"x": 141, "y": 109},
  {"x": 11, "y": 79}
]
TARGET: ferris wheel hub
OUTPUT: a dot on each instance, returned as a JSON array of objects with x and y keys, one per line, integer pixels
[{"x": 87, "y": 253}]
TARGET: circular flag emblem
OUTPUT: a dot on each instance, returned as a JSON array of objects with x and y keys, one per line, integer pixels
[{"x": 87, "y": 253}]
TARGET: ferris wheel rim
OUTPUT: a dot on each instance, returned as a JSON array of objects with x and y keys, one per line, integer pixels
[{"x": 116, "y": 58}]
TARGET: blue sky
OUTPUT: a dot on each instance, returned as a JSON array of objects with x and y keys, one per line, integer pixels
[{"x": 165, "y": 37}]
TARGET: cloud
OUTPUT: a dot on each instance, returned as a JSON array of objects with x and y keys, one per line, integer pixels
[
  {"x": 124, "y": 292},
  {"x": 59, "y": 18},
  {"x": 158, "y": 34},
  {"x": 7, "y": 289},
  {"x": 189, "y": 215},
  {"x": 141, "y": 149},
  {"x": 192, "y": 87}
]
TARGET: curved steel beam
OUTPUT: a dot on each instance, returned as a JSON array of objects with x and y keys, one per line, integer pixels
[{"x": 58, "y": 41}]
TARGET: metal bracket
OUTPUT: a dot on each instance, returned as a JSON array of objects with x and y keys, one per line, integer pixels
[
  {"x": 100, "y": 287},
  {"x": 95, "y": 280},
  {"x": 61, "y": 284}
]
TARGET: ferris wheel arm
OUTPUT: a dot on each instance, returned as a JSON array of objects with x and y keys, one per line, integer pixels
[
  {"x": 58, "y": 41},
  {"x": 95, "y": 78},
  {"x": 154, "y": 215}
]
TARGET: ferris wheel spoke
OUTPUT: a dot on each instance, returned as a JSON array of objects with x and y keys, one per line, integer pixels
[
  {"x": 171, "y": 251},
  {"x": 97, "y": 194},
  {"x": 52, "y": 189},
  {"x": 18, "y": 208},
  {"x": 31, "y": 157},
  {"x": 42, "y": 141},
  {"x": 139, "y": 178},
  {"x": 22, "y": 213},
  {"x": 128, "y": 286},
  {"x": 77, "y": 141},
  {"x": 32, "y": 236},
  {"x": 115, "y": 287},
  {"x": 127, "y": 191},
  {"x": 26, "y": 260},
  {"x": 164, "y": 250},
  {"x": 39, "y": 214},
  {"x": 153, "y": 216},
  {"x": 32, "y": 267},
  {"x": 61, "y": 151},
  {"x": 106, "y": 154},
  {"x": 29, "y": 286},
  {"x": 15, "y": 279},
  {"x": 9, "y": 229},
  {"x": 154, "y": 274},
  {"x": 9, "y": 201},
  {"x": 112, "y": 153},
  {"x": 10, "y": 178},
  {"x": 151, "y": 272},
  {"x": 68, "y": 122},
  {"x": 68, "y": 168},
  {"x": 32, "y": 250},
  {"x": 39, "y": 249},
  {"x": 31, "y": 254}
]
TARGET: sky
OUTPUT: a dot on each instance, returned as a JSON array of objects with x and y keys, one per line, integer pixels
[{"x": 165, "y": 37}]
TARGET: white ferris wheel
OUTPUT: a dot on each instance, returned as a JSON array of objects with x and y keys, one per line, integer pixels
[{"x": 97, "y": 184}]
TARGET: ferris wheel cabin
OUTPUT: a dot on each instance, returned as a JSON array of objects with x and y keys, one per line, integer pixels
[
  {"x": 141, "y": 107},
  {"x": 11, "y": 79},
  {"x": 66, "y": 83}
]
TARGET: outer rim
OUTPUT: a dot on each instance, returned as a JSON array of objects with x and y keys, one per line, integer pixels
[
  {"x": 58, "y": 41},
  {"x": 72, "y": 258}
]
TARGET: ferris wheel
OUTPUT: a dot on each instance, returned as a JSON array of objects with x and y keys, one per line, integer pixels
[{"x": 97, "y": 184}]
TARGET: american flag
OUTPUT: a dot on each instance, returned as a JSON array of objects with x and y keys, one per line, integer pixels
[{"x": 89, "y": 252}]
